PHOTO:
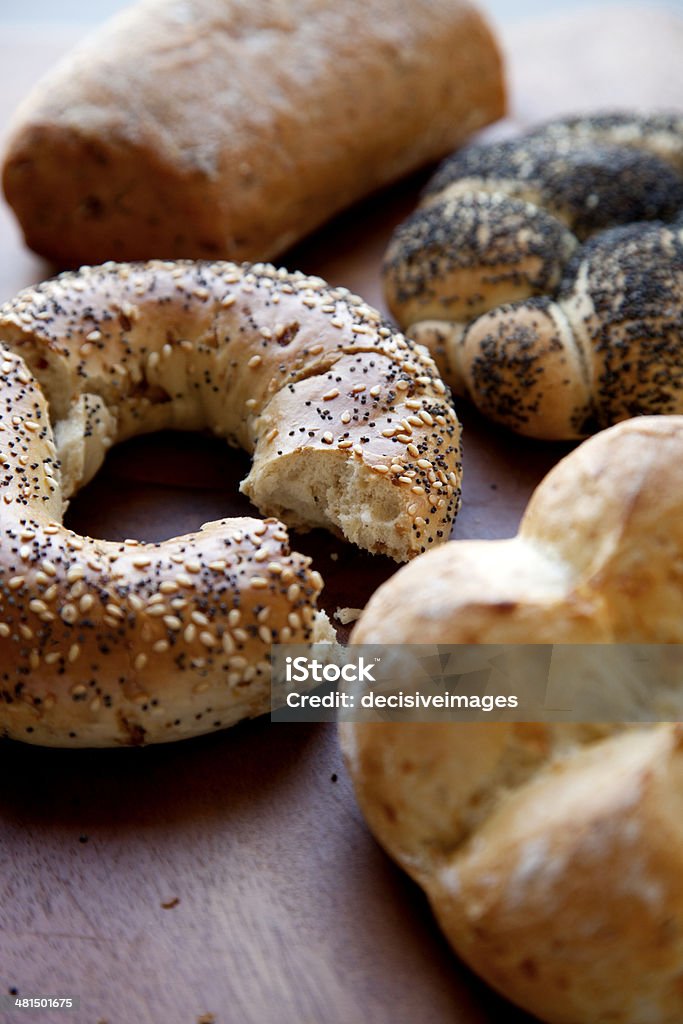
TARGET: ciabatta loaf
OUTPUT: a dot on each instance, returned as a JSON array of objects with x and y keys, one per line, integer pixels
[{"x": 231, "y": 128}]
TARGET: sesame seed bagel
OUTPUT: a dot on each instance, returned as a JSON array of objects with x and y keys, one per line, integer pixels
[
  {"x": 551, "y": 853},
  {"x": 501, "y": 273},
  {"x": 349, "y": 426}
]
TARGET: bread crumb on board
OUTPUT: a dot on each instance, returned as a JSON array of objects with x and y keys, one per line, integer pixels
[
  {"x": 207, "y": 1018},
  {"x": 347, "y": 615}
]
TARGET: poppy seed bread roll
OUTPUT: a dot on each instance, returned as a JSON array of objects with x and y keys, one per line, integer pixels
[
  {"x": 232, "y": 128},
  {"x": 545, "y": 274}
]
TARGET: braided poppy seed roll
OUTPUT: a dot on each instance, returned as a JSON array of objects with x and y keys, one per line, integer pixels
[{"x": 527, "y": 235}]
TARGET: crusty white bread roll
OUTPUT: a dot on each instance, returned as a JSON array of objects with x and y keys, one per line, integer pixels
[
  {"x": 532, "y": 274},
  {"x": 349, "y": 427},
  {"x": 552, "y": 854},
  {"x": 231, "y": 128}
]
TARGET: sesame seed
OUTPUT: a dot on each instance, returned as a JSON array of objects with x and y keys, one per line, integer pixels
[
  {"x": 254, "y": 362},
  {"x": 160, "y": 646},
  {"x": 172, "y": 622},
  {"x": 74, "y": 653},
  {"x": 190, "y": 633},
  {"x": 76, "y": 572},
  {"x": 49, "y": 567},
  {"x": 381, "y": 469},
  {"x": 69, "y": 613},
  {"x": 156, "y": 610},
  {"x": 329, "y": 395},
  {"x": 193, "y": 566},
  {"x": 413, "y": 450},
  {"x": 220, "y": 565},
  {"x": 259, "y": 582},
  {"x": 265, "y": 635},
  {"x": 38, "y": 606},
  {"x": 4, "y": 630},
  {"x": 327, "y": 437},
  {"x": 346, "y": 416},
  {"x": 208, "y": 639},
  {"x": 140, "y": 662}
]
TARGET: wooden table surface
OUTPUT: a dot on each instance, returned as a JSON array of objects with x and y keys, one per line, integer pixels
[{"x": 232, "y": 875}]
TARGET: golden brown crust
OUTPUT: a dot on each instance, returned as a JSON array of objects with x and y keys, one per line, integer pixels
[
  {"x": 231, "y": 129},
  {"x": 550, "y": 853},
  {"x": 550, "y": 337},
  {"x": 118, "y": 643}
]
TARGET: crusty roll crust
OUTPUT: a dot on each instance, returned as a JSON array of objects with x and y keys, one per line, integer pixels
[
  {"x": 349, "y": 427},
  {"x": 550, "y": 337},
  {"x": 551, "y": 853},
  {"x": 231, "y": 128}
]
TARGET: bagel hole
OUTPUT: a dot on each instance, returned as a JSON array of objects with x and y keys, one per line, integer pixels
[
  {"x": 163, "y": 485},
  {"x": 168, "y": 484}
]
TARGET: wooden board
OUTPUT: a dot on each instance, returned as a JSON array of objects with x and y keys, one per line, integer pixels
[{"x": 233, "y": 875}]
